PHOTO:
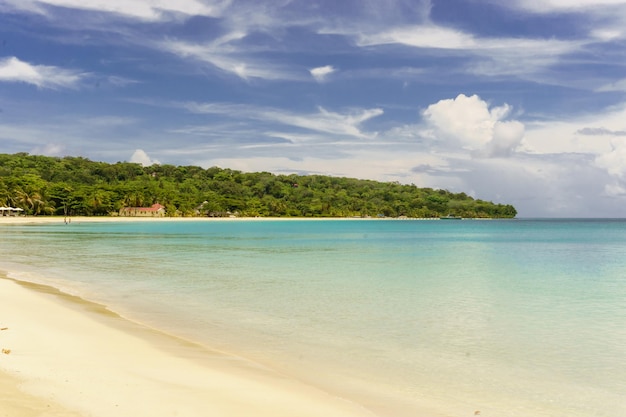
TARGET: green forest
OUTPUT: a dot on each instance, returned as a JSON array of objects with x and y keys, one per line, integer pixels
[{"x": 76, "y": 186}]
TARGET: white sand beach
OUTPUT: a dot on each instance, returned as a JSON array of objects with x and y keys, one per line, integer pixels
[
  {"x": 66, "y": 357},
  {"x": 101, "y": 219}
]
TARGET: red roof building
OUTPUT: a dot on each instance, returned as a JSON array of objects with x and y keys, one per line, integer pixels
[{"x": 156, "y": 210}]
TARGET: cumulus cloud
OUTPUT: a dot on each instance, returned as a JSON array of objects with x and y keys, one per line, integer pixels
[
  {"x": 614, "y": 190},
  {"x": 614, "y": 162},
  {"x": 13, "y": 69},
  {"x": 320, "y": 73},
  {"x": 470, "y": 123},
  {"x": 507, "y": 135},
  {"x": 141, "y": 157}
]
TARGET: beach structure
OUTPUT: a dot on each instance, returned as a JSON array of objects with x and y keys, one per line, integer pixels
[
  {"x": 10, "y": 211},
  {"x": 156, "y": 210}
]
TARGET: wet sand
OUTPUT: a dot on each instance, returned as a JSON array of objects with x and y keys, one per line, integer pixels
[{"x": 68, "y": 357}]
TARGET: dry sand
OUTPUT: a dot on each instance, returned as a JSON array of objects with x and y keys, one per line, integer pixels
[
  {"x": 100, "y": 219},
  {"x": 69, "y": 357},
  {"x": 92, "y": 219}
]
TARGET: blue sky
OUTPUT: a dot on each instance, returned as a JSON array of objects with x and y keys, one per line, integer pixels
[{"x": 520, "y": 102}]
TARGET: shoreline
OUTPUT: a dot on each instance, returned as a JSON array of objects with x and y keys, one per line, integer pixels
[
  {"x": 71, "y": 357},
  {"x": 22, "y": 220},
  {"x": 109, "y": 219}
]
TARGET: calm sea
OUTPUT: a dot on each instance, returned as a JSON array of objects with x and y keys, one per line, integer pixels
[{"x": 509, "y": 318}]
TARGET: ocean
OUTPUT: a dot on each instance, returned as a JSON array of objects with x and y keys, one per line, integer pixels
[{"x": 503, "y": 317}]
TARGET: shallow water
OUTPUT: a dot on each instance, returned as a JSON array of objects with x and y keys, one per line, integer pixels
[{"x": 512, "y": 318}]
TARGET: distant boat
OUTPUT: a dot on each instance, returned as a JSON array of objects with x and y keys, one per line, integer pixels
[{"x": 450, "y": 217}]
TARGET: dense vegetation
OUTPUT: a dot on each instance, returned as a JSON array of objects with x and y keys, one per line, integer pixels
[{"x": 44, "y": 185}]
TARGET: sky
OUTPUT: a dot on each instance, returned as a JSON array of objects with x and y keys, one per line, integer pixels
[{"x": 518, "y": 102}]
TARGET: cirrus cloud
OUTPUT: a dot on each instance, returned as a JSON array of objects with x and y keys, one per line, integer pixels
[
  {"x": 551, "y": 6},
  {"x": 12, "y": 69},
  {"x": 225, "y": 54},
  {"x": 153, "y": 10},
  {"x": 342, "y": 124}
]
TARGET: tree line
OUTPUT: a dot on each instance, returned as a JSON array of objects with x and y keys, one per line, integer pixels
[{"x": 43, "y": 185}]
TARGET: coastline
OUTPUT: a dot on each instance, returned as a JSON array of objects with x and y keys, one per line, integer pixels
[
  {"x": 70, "y": 357},
  {"x": 21, "y": 220}
]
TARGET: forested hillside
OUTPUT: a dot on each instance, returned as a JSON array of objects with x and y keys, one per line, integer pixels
[{"x": 44, "y": 185}]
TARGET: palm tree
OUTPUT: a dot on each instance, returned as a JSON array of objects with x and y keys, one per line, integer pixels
[
  {"x": 4, "y": 194},
  {"x": 33, "y": 203},
  {"x": 24, "y": 200},
  {"x": 133, "y": 199}
]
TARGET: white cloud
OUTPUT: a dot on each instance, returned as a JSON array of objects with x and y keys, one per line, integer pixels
[
  {"x": 383, "y": 164},
  {"x": 614, "y": 161},
  {"x": 604, "y": 20},
  {"x": 608, "y": 16},
  {"x": 593, "y": 133},
  {"x": 141, "y": 157},
  {"x": 615, "y": 190},
  {"x": 464, "y": 119},
  {"x": 120, "y": 81},
  {"x": 433, "y": 36},
  {"x": 106, "y": 121},
  {"x": 347, "y": 124},
  {"x": 590, "y": 148},
  {"x": 151, "y": 10},
  {"x": 507, "y": 136},
  {"x": 429, "y": 36},
  {"x": 30, "y": 6},
  {"x": 320, "y": 73},
  {"x": 619, "y": 85},
  {"x": 49, "y": 149},
  {"x": 43, "y": 76},
  {"x": 225, "y": 54},
  {"x": 607, "y": 34},
  {"x": 600, "y": 131},
  {"x": 67, "y": 134},
  {"x": 332, "y": 122},
  {"x": 551, "y": 6},
  {"x": 470, "y": 123},
  {"x": 513, "y": 56},
  {"x": 520, "y": 57}
]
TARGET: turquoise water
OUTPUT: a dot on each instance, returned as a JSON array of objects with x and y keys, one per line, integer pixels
[{"x": 512, "y": 318}]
